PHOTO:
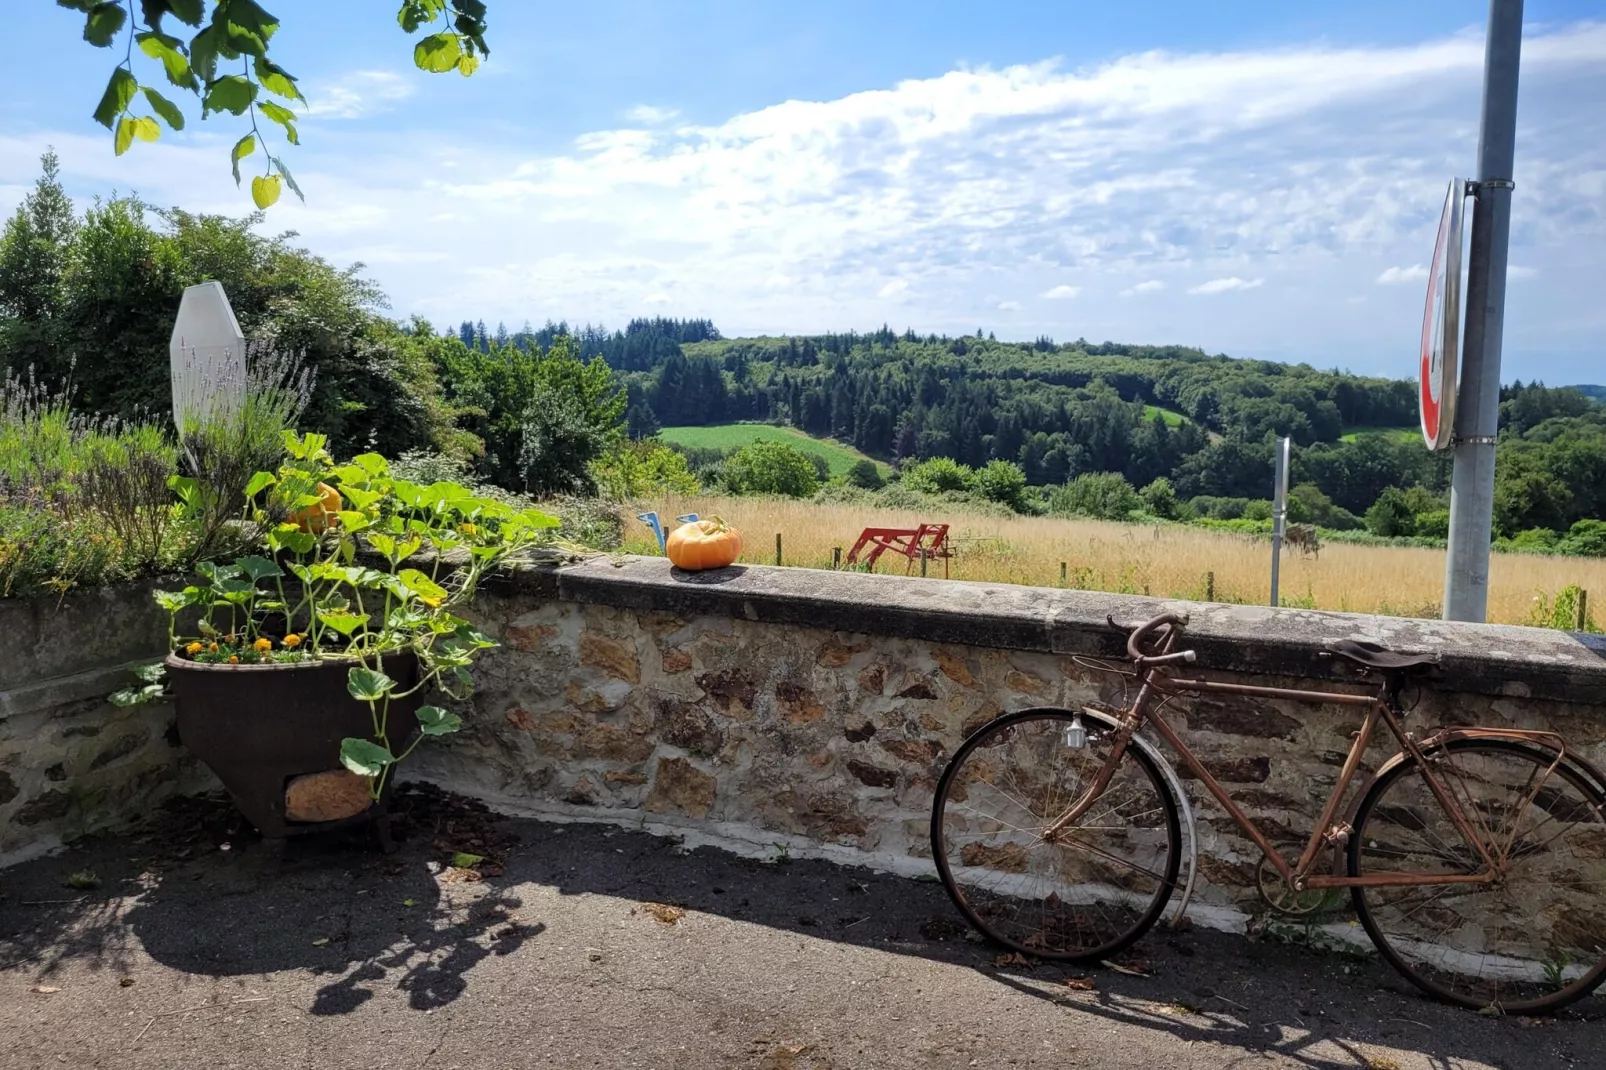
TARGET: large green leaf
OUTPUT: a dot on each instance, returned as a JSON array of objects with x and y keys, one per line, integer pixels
[
  {"x": 258, "y": 568},
  {"x": 265, "y": 190},
  {"x": 170, "y": 52},
  {"x": 119, "y": 94},
  {"x": 136, "y": 696},
  {"x": 434, "y": 721},
  {"x": 428, "y": 591},
  {"x": 232, "y": 93},
  {"x": 102, "y": 23},
  {"x": 372, "y": 463},
  {"x": 368, "y": 685},
  {"x": 341, "y": 621},
  {"x": 259, "y": 483},
  {"x": 364, "y": 757},
  {"x": 173, "y": 601},
  {"x": 437, "y": 53},
  {"x": 165, "y": 108},
  {"x": 243, "y": 148},
  {"x": 186, "y": 11},
  {"x": 276, "y": 80}
]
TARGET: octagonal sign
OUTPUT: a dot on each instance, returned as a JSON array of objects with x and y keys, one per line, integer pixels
[
  {"x": 1441, "y": 325},
  {"x": 207, "y": 353}
]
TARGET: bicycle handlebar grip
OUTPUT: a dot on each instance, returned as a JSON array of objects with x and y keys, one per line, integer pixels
[{"x": 1142, "y": 631}]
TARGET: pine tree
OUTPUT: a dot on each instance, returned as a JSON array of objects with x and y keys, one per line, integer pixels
[{"x": 33, "y": 258}]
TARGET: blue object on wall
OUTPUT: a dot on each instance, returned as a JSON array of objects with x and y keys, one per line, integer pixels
[{"x": 651, "y": 520}]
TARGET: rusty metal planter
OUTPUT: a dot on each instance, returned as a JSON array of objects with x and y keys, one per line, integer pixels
[{"x": 259, "y": 726}]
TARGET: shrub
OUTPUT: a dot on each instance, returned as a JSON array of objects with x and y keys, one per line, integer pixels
[
  {"x": 633, "y": 469},
  {"x": 1391, "y": 515},
  {"x": 1541, "y": 539},
  {"x": 1213, "y": 508},
  {"x": 1433, "y": 525},
  {"x": 1562, "y": 612},
  {"x": 1308, "y": 504},
  {"x": 1586, "y": 538},
  {"x": 1002, "y": 482},
  {"x": 939, "y": 475},
  {"x": 1104, "y": 495},
  {"x": 1259, "y": 509},
  {"x": 866, "y": 474},
  {"x": 1160, "y": 499},
  {"x": 770, "y": 467}
]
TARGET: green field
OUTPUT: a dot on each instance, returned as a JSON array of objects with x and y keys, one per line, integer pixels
[
  {"x": 837, "y": 456},
  {"x": 1399, "y": 434},
  {"x": 1172, "y": 419}
]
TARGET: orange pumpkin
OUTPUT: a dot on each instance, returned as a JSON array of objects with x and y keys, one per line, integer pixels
[
  {"x": 704, "y": 544},
  {"x": 324, "y": 515}
]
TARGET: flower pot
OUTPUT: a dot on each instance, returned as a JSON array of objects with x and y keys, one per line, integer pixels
[{"x": 260, "y": 727}]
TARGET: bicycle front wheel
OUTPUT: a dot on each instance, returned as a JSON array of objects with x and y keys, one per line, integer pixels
[
  {"x": 1529, "y": 941},
  {"x": 1084, "y": 892}
]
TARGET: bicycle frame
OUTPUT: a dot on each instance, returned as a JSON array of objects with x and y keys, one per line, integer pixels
[{"x": 1384, "y": 707}]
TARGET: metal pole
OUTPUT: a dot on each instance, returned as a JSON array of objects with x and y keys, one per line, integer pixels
[
  {"x": 1477, "y": 415},
  {"x": 1279, "y": 513}
]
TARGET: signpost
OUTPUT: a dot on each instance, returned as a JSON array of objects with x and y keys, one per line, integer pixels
[
  {"x": 1477, "y": 416},
  {"x": 1279, "y": 514},
  {"x": 1441, "y": 325},
  {"x": 207, "y": 354}
]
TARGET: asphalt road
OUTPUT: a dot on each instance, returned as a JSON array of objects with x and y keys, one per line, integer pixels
[{"x": 593, "y": 946}]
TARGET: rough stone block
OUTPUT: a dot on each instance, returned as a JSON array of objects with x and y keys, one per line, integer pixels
[
  {"x": 611, "y": 656},
  {"x": 681, "y": 786}
]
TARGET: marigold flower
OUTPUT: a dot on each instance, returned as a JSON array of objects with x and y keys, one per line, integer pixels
[
  {"x": 193, "y": 648},
  {"x": 468, "y": 529},
  {"x": 234, "y": 659},
  {"x": 211, "y": 648},
  {"x": 262, "y": 646},
  {"x": 292, "y": 640}
]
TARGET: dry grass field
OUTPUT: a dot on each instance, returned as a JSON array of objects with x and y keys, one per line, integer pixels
[{"x": 1169, "y": 560}]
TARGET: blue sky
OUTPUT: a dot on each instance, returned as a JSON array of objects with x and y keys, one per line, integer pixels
[{"x": 1256, "y": 178}]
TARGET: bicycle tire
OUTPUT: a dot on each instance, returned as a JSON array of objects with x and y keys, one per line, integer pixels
[
  {"x": 1160, "y": 813},
  {"x": 1528, "y": 905}
]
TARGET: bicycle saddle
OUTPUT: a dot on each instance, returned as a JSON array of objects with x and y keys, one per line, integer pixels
[{"x": 1372, "y": 656}]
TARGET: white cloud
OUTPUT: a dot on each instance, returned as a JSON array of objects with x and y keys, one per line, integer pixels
[
  {"x": 1399, "y": 276},
  {"x": 652, "y": 116},
  {"x": 357, "y": 95},
  {"x": 1063, "y": 292},
  {"x": 1323, "y": 165},
  {"x": 1520, "y": 271},
  {"x": 1221, "y": 286},
  {"x": 1009, "y": 306}
]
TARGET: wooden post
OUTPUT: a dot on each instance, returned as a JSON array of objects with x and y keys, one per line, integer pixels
[
  {"x": 1581, "y": 616},
  {"x": 1062, "y": 574},
  {"x": 836, "y": 557},
  {"x": 777, "y": 548},
  {"x": 1210, "y": 586},
  {"x": 922, "y": 562}
]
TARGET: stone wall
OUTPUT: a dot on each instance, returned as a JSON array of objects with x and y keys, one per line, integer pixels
[
  {"x": 70, "y": 762},
  {"x": 818, "y": 708}
]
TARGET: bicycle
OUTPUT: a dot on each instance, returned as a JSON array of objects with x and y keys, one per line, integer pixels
[{"x": 1056, "y": 833}]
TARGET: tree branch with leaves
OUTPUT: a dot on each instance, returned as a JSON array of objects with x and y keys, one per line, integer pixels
[{"x": 241, "y": 30}]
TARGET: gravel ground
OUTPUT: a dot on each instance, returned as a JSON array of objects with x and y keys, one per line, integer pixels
[{"x": 592, "y": 946}]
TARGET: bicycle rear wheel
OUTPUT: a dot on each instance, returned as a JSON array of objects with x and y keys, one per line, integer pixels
[
  {"x": 1472, "y": 944},
  {"x": 1106, "y": 877}
]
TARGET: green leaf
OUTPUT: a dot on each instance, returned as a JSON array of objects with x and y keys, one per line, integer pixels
[
  {"x": 289, "y": 537},
  {"x": 437, "y": 53},
  {"x": 232, "y": 93},
  {"x": 341, "y": 621},
  {"x": 242, "y": 148},
  {"x": 464, "y": 860},
  {"x": 276, "y": 80},
  {"x": 187, "y": 11},
  {"x": 216, "y": 572},
  {"x": 124, "y": 135},
  {"x": 467, "y": 63},
  {"x": 102, "y": 24},
  {"x": 258, "y": 568},
  {"x": 428, "y": 591},
  {"x": 153, "y": 673},
  {"x": 259, "y": 483},
  {"x": 165, "y": 108},
  {"x": 170, "y": 51},
  {"x": 364, "y": 757},
  {"x": 372, "y": 463},
  {"x": 203, "y": 52},
  {"x": 434, "y": 721},
  {"x": 136, "y": 696},
  {"x": 415, "y": 13},
  {"x": 352, "y": 521},
  {"x": 277, "y": 112},
  {"x": 285, "y": 172},
  {"x": 173, "y": 601},
  {"x": 119, "y": 94},
  {"x": 368, "y": 685},
  {"x": 145, "y": 128},
  {"x": 265, "y": 190}
]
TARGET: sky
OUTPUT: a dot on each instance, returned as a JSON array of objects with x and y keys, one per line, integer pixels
[{"x": 1256, "y": 178}]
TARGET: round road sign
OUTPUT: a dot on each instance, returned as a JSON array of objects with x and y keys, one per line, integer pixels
[{"x": 1441, "y": 324}]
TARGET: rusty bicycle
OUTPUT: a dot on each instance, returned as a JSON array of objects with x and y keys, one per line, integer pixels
[{"x": 1057, "y": 833}]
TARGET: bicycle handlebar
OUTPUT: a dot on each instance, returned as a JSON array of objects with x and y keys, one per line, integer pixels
[{"x": 1173, "y": 623}]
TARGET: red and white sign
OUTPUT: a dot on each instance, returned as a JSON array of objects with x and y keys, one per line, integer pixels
[{"x": 1441, "y": 324}]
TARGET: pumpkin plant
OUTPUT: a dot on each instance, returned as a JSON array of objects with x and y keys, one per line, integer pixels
[
  {"x": 702, "y": 544},
  {"x": 358, "y": 566}
]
